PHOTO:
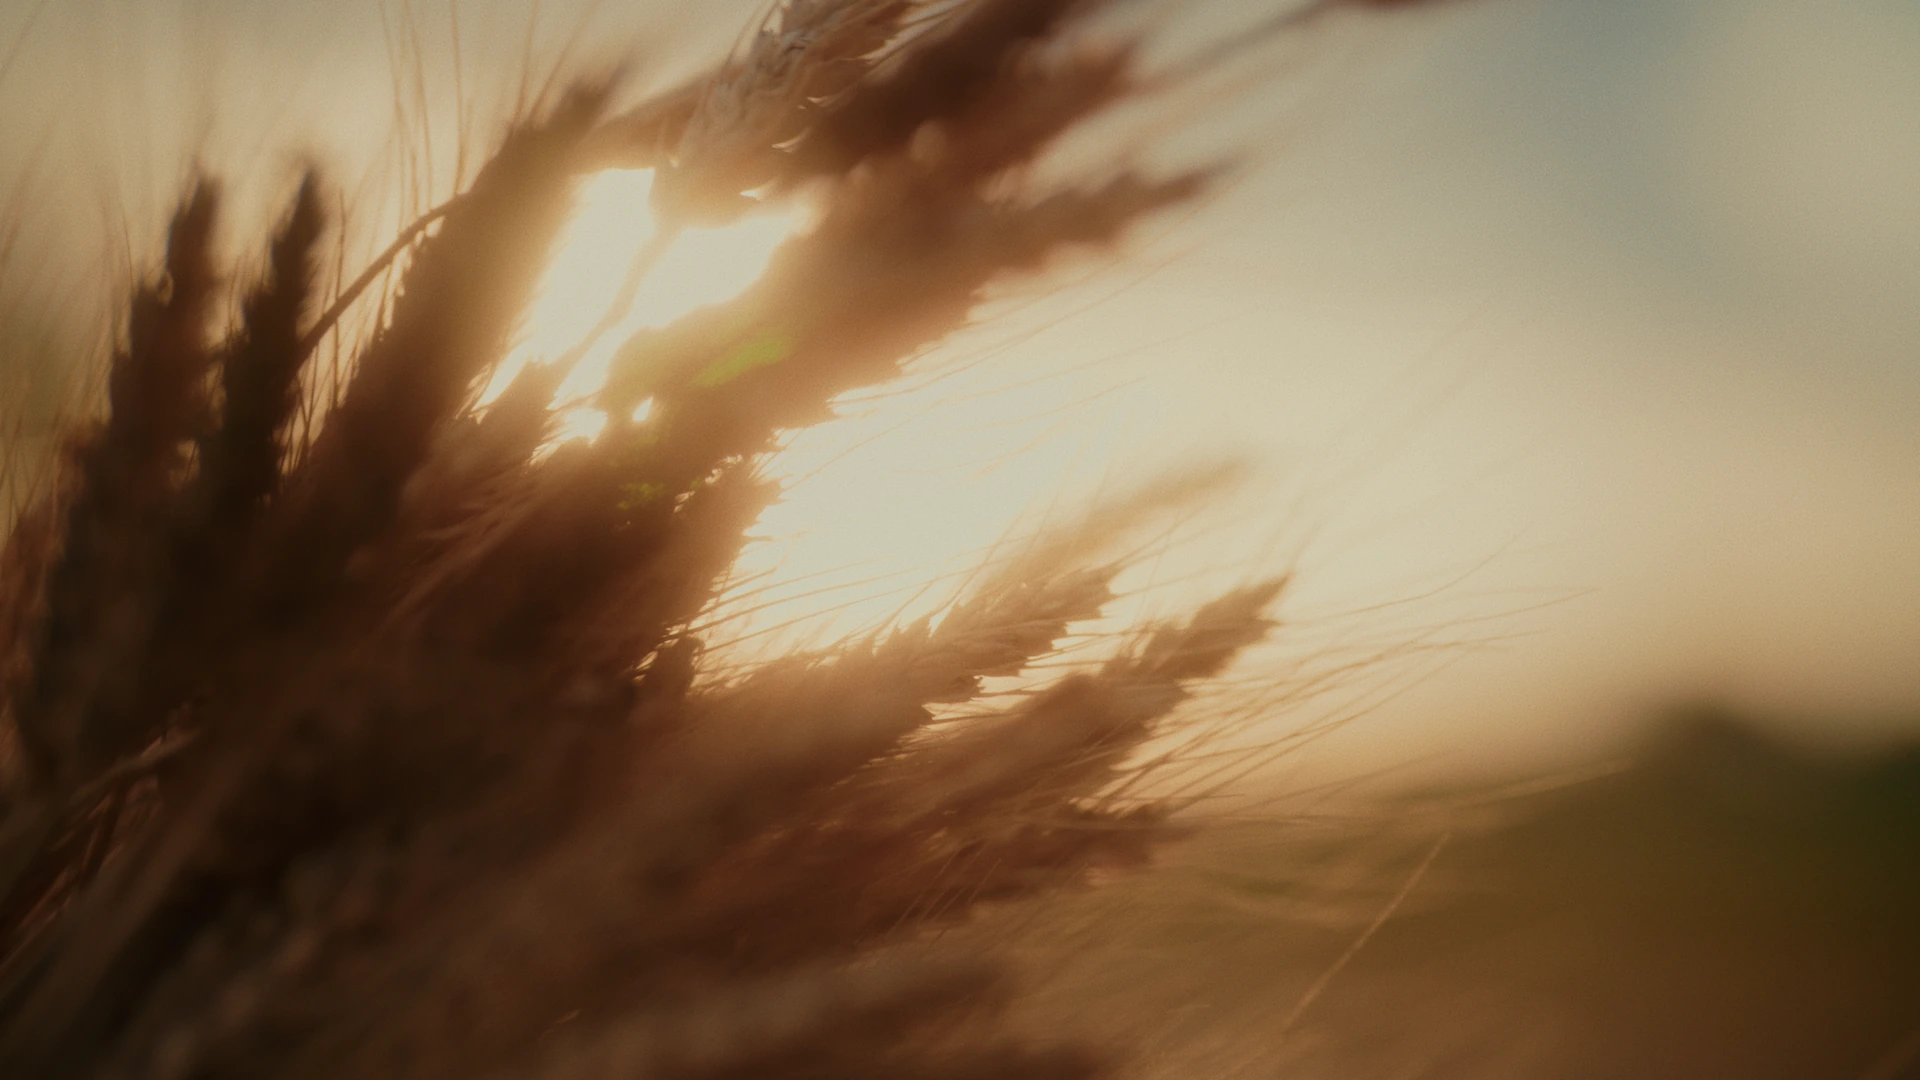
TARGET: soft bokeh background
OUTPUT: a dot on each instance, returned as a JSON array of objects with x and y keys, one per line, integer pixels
[{"x": 1578, "y": 339}]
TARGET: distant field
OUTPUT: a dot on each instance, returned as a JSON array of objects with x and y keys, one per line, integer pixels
[{"x": 1721, "y": 907}]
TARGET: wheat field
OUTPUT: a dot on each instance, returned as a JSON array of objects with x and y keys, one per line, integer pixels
[
  {"x": 380, "y": 691},
  {"x": 360, "y": 722}
]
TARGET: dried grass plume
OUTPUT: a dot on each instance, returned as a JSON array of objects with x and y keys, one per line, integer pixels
[{"x": 391, "y": 751}]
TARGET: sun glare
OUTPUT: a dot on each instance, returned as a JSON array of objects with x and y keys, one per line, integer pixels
[
  {"x": 883, "y": 499},
  {"x": 612, "y": 229}
]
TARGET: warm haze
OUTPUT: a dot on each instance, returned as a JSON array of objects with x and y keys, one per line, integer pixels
[
  {"x": 954, "y": 546},
  {"x": 1594, "y": 317}
]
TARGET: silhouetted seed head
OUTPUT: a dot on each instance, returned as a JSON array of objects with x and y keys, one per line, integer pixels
[{"x": 405, "y": 752}]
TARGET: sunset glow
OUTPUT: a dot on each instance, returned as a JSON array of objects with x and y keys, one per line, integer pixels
[
  {"x": 612, "y": 230},
  {"x": 1651, "y": 346},
  {"x": 959, "y": 538}
]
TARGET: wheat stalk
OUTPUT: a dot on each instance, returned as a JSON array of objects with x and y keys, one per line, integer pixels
[{"x": 391, "y": 755}]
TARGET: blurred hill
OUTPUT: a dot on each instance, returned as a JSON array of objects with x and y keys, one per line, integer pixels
[{"x": 1720, "y": 905}]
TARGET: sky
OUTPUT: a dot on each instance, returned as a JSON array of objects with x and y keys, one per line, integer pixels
[{"x": 1574, "y": 343}]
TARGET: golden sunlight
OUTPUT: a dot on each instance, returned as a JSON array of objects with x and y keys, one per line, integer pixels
[{"x": 611, "y": 233}]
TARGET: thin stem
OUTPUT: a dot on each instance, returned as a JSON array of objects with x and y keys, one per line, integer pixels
[{"x": 330, "y": 317}]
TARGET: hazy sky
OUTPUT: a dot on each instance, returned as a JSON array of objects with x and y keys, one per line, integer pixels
[{"x": 1599, "y": 317}]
